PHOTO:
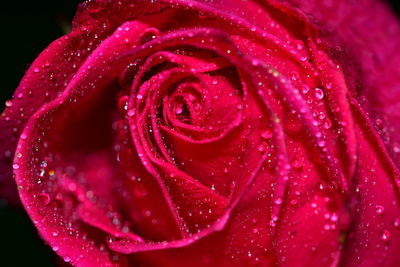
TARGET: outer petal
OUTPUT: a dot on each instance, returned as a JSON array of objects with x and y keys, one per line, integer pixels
[
  {"x": 45, "y": 78},
  {"x": 365, "y": 36}
]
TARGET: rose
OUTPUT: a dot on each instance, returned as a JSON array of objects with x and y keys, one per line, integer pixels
[
  {"x": 184, "y": 133},
  {"x": 79, "y": 187}
]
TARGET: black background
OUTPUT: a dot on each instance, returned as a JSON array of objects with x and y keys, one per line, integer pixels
[{"x": 27, "y": 27}]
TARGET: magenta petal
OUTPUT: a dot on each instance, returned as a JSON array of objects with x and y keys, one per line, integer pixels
[
  {"x": 40, "y": 85},
  {"x": 373, "y": 238},
  {"x": 371, "y": 51}
]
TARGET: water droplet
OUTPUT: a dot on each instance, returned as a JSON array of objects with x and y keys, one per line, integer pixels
[
  {"x": 294, "y": 76},
  {"x": 328, "y": 85},
  {"x": 267, "y": 134},
  {"x": 297, "y": 162},
  {"x": 179, "y": 110},
  {"x": 43, "y": 164},
  {"x": 385, "y": 236},
  {"x": 305, "y": 89},
  {"x": 15, "y": 166},
  {"x": 123, "y": 104},
  {"x": 131, "y": 113},
  {"x": 255, "y": 62},
  {"x": 327, "y": 227},
  {"x": 66, "y": 259},
  {"x": 139, "y": 96},
  {"x": 327, "y": 124},
  {"x": 9, "y": 103},
  {"x": 318, "y": 93},
  {"x": 262, "y": 147},
  {"x": 202, "y": 15},
  {"x": 334, "y": 217},
  {"x": 321, "y": 143},
  {"x": 44, "y": 198},
  {"x": 379, "y": 124},
  {"x": 380, "y": 209},
  {"x": 303, "y": 59},
  {"x": 299, "y": 45},
  {"x": 397, "y": 223},
  {"x": 36, "y": 70}
]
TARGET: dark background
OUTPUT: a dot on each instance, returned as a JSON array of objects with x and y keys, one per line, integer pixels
[{"x": 27, "y": 27}]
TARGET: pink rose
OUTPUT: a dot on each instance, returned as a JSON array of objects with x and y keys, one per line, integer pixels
[{"x": 213, "y": 133}]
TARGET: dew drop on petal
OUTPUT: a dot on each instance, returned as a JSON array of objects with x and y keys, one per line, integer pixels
[
  {"x": 44, "y": 198},
  {"x": 397, "y": 223},
  {"x": 9, "y": 103},
  {"x": 297, "y": 162},
  {"x": 385, "y": 236},
  {"x": 267, "y": 134},
  {"x": 262, "y": 147},
  {"x": 303, "y": 59},
  {"x": 321, "y": 143},
  {"x": 131, "y": 113},
  {"x": 379, "y": 124},
  {"x": 380, "y": 209},
  {"x": 396, "y": 148},
  {"x": 318, "y": 93},
  {"x": 327, "y": 124},
  {"x": 178, "y": 110},
  {"x": 334, "y": 217},
  {"x": 305, "y": 89},
  {"x": 328, "y": 85}
]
